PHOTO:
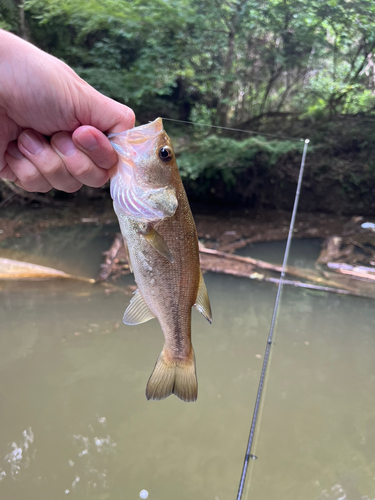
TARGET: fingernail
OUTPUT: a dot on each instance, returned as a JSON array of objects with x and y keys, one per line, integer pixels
[
  {"x": 87, "y": 140},
  {"x": 65, "y": 145},
  {"x": 14, "y": 152},
  {"x": 31, "y": 143}
]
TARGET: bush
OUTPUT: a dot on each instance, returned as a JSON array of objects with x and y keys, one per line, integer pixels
[{"x": 223, "y": 159}]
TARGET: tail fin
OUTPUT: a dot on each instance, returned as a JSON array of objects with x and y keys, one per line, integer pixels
[{"x": 173, "y": 376}]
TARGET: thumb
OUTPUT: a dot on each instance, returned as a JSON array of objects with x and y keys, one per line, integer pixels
[
  {"x": 98, "y": 115},
  {"x": 104, "y": 113}
]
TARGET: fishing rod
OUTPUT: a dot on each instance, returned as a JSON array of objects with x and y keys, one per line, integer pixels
[
  {"x": 257, "y": 407},
  {"x": 249, "y": 455}
]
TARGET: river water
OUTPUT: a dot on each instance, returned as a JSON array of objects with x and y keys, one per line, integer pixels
[{"x": 75, "y": 422}]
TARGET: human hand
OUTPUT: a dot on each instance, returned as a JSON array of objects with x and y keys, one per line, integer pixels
[{"x": 41, "y": 96}]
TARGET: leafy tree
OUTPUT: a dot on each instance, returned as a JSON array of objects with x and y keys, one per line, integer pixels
[
  {"x": 232, "y": 62},
  {"x": 281, "y": 66}
]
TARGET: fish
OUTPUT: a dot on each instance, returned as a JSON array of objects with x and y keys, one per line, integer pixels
[{"x": 161, "y": 242}]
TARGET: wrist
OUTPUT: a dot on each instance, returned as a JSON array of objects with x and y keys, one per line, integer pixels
[{"x": 11, "y": 47}]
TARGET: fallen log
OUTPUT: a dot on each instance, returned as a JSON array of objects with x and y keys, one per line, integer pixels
[
  {"x": 236, "y": 265},
  {"x": 260, "y": 264},
  {"x": 348, "y": 267},
  {"x": 297, "y": 284},
  {"x": 361, "y": 272},
  {"x": 243, "y": 273},
  {"x": 18, "y": 270},
  {"x": 248, "y": 267}
]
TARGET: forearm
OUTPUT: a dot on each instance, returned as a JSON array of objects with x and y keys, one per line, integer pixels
[
  {"x": 12, "y": 46},
  {"x": 14, "y": 49},
  {"x": 8, "y": 42}
]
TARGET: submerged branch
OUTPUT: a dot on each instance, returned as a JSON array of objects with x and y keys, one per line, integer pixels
[
  {"x": 347, "y": 280},
  {"x": 236, "y": 265},
  {"x": 297, "y": 284},
  {"x": 260, "y": 264},
  {"x": 18, "y": 270},
  {"x": 30, "y": 196},
  {"x": 110, "y": 258}
]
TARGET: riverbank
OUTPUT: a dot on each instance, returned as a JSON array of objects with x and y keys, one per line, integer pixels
[
  {"x": 218, "y": 229},
  {"x": 223, "y": 229}
]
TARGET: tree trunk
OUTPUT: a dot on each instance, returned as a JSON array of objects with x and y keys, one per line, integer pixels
[
  {"x": 22, "y": 26},
  {"x": 223, "y": 107}
]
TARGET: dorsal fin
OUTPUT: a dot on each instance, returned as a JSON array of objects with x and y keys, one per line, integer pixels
[
  {"x": 202, "y": 302},
  {"x": 137, "y": 311}
]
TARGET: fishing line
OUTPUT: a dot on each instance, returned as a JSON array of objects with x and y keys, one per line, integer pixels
[
  {"x": 252, "y": 132},
  {"x": 249, "y": 456},
  {"x": 258, "y": 402}
]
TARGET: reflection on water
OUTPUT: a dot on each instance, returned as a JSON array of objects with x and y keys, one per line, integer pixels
[
  {"x": 337, "y": 492},
  {"x": 91, "y": 459},
  {"x": 18, "y": 457},
  {"x": 302, "y": 254},
  {"x": 75, "y": 422}
]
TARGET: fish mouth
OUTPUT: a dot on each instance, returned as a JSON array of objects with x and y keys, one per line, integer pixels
[
  {"x": 137, "y": 140},
  {"x": 138, "y": 135}
]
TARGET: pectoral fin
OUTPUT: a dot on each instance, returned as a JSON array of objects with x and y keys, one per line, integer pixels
[
  {"x": 137, "y": 311},
  {"x": 202, "y": 302},
  {"x": 157, "y": 242}
]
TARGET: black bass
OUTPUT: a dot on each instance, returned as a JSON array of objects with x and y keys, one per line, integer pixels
[{"x": 161, "y": 241}]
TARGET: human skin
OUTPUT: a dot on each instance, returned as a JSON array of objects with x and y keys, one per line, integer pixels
[{"x": 52, "y": 123}]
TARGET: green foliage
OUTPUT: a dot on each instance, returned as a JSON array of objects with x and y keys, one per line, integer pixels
[
  {"x": 226, "y": 62},
  {"x": 338, "y": 94},
  {"x": 224, "y": 159},
  {"x": 289, "y": 67},
  {"x": 128, "y": 50},
  {"x": 8, "y": 15}
]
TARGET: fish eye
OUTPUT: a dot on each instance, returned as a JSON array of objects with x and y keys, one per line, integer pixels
[{"x": 165, "y": 153}]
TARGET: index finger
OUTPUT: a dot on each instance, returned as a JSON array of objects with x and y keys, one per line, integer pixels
[{"x": 96, "y": 146}]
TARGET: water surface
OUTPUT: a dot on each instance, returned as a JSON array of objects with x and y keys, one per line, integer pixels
[{"x": 75, "y": 422}]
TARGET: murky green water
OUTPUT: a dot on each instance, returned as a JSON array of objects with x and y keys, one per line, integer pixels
[{"x": 75, "y": 422}]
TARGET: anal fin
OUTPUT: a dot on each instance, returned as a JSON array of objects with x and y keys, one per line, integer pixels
[
  {"x": 202, "y": 302},
  {"x": 137, "y": 311}
]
